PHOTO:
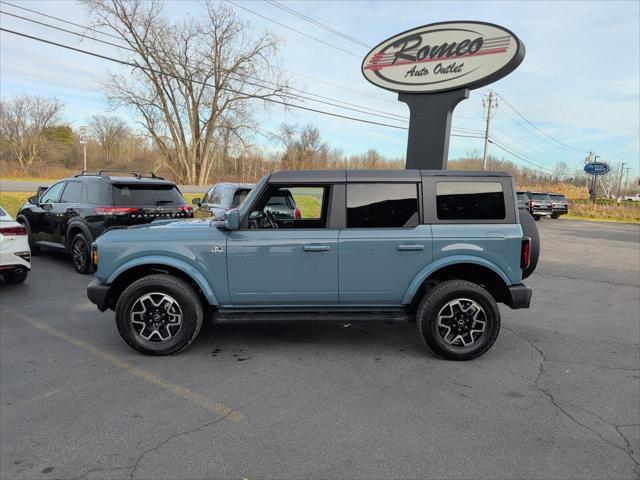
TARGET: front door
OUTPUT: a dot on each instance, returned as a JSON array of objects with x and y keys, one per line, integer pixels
[
  {"x": 41, "y": 217},
  {"x": 283, "y": 258},
  {"x": 384, "y": 245}
]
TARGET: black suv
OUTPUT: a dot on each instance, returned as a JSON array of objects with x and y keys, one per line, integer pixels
[
  {"x": 72, "y": 213},
  {"x": 560, "y": 204}
]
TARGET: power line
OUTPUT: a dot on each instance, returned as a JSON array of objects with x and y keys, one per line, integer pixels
[
  {"x": 539, "y": 129},
  {"x": 539, "y": 161},
  {"x": 342, "y": 104},
  {"x": 294, "y": 30},
  {"x": 317, "y": 23},
  {"x": 68, "y": 22},
  {"x": 506, "y": 149},
  {"x": 159, "y": 72}
]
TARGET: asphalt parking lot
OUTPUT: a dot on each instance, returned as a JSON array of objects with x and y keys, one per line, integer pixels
[{"x": 557, "y": 397}]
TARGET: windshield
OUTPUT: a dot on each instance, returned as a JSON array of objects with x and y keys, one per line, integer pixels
[
  {"x": 127, "y": 194},
  {"x": 523, "y": 196},
  {"x": 240, "y": 197}
]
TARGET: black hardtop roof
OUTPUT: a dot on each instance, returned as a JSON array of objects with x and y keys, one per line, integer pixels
[{"x": 341, "y": 176}]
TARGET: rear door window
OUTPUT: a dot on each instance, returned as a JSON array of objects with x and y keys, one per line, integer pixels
[
  {"x": 72, "y": 193},
  {"x": 382, "y": 205},
  {"x": 470, "y": 201},
  {"x": 127, "y": 194}
]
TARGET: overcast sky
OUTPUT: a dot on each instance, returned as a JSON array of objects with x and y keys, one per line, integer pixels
[{"x": 579, "y": 82}]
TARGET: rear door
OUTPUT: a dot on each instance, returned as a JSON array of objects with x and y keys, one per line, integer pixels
[{"x": 384, "y": 245}]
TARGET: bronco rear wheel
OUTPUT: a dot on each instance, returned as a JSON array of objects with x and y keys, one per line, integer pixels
[
  {"x": 159, "y": 315},
  {"x": 458, "y": 320}
]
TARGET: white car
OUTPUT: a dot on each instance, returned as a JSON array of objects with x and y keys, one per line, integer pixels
[{"x": 15, "y": 255}]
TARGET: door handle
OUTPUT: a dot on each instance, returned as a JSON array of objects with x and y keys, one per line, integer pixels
[
  {"x": 410, "y": 248},
  {"x": 316, "y": 248}
]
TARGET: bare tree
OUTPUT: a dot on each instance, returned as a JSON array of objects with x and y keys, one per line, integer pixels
[
  {"x": 111, "y": 133},
  {"x": 560, "y": 170},
  {"x": 303, "y": 147},
  {"x": 23, "y": 122},
  {"x": 195, "y": 80}
]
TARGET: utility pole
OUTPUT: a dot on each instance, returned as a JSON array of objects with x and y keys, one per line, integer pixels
[
  {"x": 626, "y": 179},
  {"x": 83, "y": 141},
  {"x": 620, "y": 182},
  {"x": 489, "y": 105}
]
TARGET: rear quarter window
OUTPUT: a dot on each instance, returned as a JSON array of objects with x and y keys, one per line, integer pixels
[{"x": 470, "y": 201}]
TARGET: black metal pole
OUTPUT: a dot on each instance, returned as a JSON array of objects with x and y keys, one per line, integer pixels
[{"x": 429, "y": 127}]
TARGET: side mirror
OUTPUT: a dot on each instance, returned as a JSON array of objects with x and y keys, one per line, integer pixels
[
  {"x": 231, "y": 220},
  {"x": 33, "y": 200},
  {"x": 196, "y": 201},
  {"x": 47, "y": 206}
]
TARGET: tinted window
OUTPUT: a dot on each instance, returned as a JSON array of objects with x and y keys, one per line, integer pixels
[
  {"x": 470, "y": 201},
  {"x": 126, "y": 194},
  {"x": 382, "y": 205},
  {"x": 72, "y": 193},
  {"x": 239, "y": 197},
  {"x": 558, "y": 198},
  {"x": 539, "y": 196},
  {"x": 98, "y": 193},
  {"x": 53, "y": 194}
]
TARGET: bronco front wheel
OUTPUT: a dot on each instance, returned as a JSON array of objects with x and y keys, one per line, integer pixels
[
  {"x": 159, "y": 315},
  {"x": 458, "y": 320}
]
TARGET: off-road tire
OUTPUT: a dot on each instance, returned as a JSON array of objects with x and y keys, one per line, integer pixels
[
  {"x": 184, "y": 295},
  {"x": 15, "y": 277},
  {"x": 439, "y": 296}
]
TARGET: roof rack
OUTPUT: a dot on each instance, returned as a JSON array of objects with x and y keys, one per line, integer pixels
[{"x": 102, "y": 173}]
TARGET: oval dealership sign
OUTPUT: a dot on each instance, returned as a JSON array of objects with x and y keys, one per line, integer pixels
[
  {"x": 443, "y": 56},
  {"x": 596, "y": 168}
]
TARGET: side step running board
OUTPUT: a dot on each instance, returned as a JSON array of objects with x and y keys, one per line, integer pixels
[{"x": 231, "y": 316}]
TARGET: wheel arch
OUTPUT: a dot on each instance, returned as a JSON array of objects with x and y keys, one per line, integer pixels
[
  {"x": 473, "y": 269},
  {"x": 141, "y": 267},
  {"x": 75, "y": 228}
]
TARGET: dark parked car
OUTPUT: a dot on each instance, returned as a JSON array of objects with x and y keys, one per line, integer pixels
[
  {"x": 220, "y": 198},
  {"x": 559, "y": 205},
  {"x": 73, "y": 212},
  {"x": 540, "y": 205},
  {"x": 523, "y": 200}
]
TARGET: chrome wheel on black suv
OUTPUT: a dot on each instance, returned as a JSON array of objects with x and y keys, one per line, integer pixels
[
  {"x": 159, "y": 314},
  {"x": 458, "y": 320}
]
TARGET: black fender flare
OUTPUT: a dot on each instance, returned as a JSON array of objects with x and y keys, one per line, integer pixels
[
  {"x": 530, "y": 229},
  {"x": 77, "y": 225}
]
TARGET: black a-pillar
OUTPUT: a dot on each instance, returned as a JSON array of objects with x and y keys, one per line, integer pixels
[{"x": 429, "y": 127}]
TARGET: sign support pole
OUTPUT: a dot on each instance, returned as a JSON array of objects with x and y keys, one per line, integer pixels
[{"x": 429, "y": 127}]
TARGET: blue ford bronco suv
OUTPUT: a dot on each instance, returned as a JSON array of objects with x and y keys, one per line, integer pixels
[{"x": 439, "y": 248}]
